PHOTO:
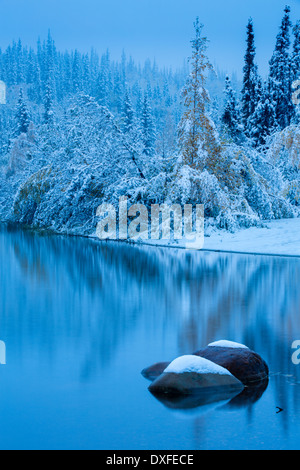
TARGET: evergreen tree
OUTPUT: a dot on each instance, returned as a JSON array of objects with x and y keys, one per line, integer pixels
[
  {"x": 131, "y": 130},
  {"x": 11, "y": 76},
  {"x": 123, "y": 67},
  {"x": 50, "y": 64},
  {"x": 22, "y": 116},
  {"x": 280, "y": 77},
  {"x": 20, "y": 63},
  {"x": 35, "y": 89},
  {"x": 48, "y": 103},
  {"x": 94, "y": 68},
  {"x": 104, "y": 82},
  {"x": 128, "y": 115},
  {"x": 250, "y": 79},
  {"x": 77, "y": 73},
  {"x": 198, "y": 141},
  {"x": 86, "y": 76},
  {"x": 30, "y": 67},
  {"x": 231, "y": 115},
  {"x": 118, "y": 92},
  {"x": 148, "y": 128},
  {"x": 67, "y": 74},
  {"x": 139, "y": 101},
  {"x": 263, "y": 121}
]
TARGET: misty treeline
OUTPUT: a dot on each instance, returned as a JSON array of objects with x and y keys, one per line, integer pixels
[{"x": 80, "y": 129}]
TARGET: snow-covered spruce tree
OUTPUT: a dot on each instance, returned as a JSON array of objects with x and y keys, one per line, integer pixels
[
  {"x": 231, "y": 118},
  {"x": 104, "y": 82},
  {"x": 139, "y": 100},
  {"x": 263, "y": 122},
  {"x": 250, "y": 80},
  {"x": 48, "y": 131},
  {"x": 148, "y": 127},
  {"x": 77, "y": 73},
  {"x": 118, "y": 93},
  {"x": 22, "y": 115},
  {"x": 34, "y": 79},
  {"x": 280, "y": 77},
  {"x": 48, "y": 104},
  {"x": 50, "y": 64},
  {"x": 66, "y": 75},
  {"x": 198, "y": 141},
  {"x": 128, "y": 114},
  {"x": 130, "y": 127}
]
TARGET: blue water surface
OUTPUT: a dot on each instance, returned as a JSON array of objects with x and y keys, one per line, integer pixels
[{"x": 81, "y": 319}]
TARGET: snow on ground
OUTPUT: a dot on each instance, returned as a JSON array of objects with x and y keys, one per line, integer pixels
[
  {"x": 195, "y": 364},
  {"x": 276, "y": 237},
  {"x": 279, "y": 237}
]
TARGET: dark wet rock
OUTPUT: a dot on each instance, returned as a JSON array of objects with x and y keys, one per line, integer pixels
[{"x": 246, "y": 365}]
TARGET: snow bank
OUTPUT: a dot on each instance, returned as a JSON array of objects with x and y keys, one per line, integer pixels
[
  {"x": 279, "y": 237},
  {"x": 195, "y": 364}
]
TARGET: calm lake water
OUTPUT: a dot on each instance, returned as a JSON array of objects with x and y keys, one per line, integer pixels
[{"x": 81, "y": 319}]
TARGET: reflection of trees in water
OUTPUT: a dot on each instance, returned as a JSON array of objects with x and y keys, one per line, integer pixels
[{"x": 100, "y": 292}]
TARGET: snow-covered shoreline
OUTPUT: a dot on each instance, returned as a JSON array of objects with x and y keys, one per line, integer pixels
[
  {"x": 278, "y": 237},
  {"x": 275, "y": 238}
]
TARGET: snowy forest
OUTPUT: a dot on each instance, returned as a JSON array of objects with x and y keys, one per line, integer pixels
[{"x": 81, "y": 129}]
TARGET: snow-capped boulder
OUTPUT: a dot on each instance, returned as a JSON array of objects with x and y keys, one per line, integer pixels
[
  {"x": 190, "y": 374},
  {"x": 246, "y": 365}
]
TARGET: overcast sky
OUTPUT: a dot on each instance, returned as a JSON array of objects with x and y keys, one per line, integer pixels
[{"x": 159, "y": 29}]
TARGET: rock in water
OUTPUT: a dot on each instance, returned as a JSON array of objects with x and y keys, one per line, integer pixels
[
  {"x": 246, "y": 365},
  {"x": 191, "y": 374}
]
